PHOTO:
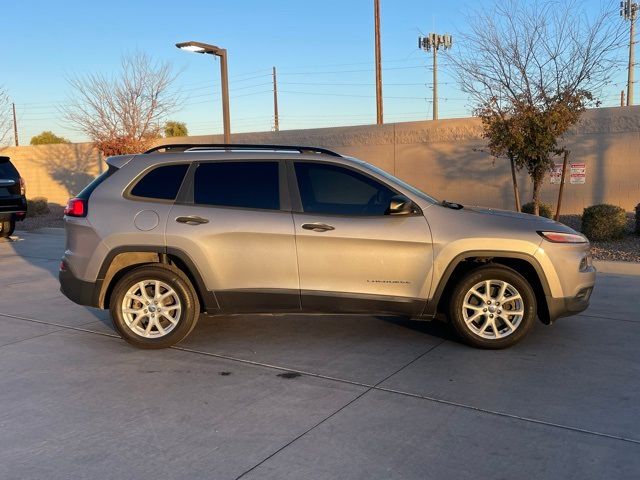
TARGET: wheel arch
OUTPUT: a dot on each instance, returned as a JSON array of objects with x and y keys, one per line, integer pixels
[
  {"x": 522, "y": 263},
  {"x": 121, "y": 260}
]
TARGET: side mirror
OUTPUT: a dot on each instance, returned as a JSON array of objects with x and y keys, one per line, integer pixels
[{"x": 400, "y": 205}]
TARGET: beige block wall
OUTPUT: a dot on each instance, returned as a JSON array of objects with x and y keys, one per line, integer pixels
[
  {"x": 444, "y": 158},
  {"x": 56, "y": 172}
]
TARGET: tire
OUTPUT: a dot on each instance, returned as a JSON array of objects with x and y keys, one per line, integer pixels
[
  {"x": 484, "y": 324},
  {"x": 157, "y": 325},
  {"x": 7, "y": 228}
]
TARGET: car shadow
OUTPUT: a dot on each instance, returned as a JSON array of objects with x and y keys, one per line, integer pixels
[{"x": 33, "y": 260}]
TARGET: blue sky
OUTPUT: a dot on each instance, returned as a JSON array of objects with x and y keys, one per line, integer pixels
[{"x": 323, "y": 52}]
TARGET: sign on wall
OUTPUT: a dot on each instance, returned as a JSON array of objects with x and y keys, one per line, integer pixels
[
  {"x": 556, "y": 173},
  {"x": 577, "y": 173}
]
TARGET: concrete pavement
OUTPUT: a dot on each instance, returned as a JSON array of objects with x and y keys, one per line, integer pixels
[{"x": 309, "y": 396}]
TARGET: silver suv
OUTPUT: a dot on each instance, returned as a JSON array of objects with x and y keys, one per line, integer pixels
[{"x": 226, "y": 229}]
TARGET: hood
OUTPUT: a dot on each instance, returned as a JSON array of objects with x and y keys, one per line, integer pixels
[
  {"x": 508, "y": 214},
  {"x": 539, "y": 223}
]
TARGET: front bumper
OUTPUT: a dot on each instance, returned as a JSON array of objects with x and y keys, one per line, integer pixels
[{"x": 566, "y": 306}]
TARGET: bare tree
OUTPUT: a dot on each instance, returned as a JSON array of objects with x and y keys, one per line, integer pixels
[
  {"x": 533, "y": 59},
  {"x": 123, "y": 114},
  {"x": 5, "y": 118}
]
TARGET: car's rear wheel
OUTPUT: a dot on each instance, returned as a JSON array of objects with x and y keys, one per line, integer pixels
[
  {"x": 6, "y": 228},
  {"x": 492, "y": 307},
  {"x": 154, "y": 306}
]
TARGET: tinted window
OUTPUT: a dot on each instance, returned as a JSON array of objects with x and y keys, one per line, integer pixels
[
  {"x": 161, "y": 183},
  {"x": 7, "y": 170},
  {"x": 88, "y": 190},
  {"x": 332, "y": 189},
  {"x": 238, "y": 184}
]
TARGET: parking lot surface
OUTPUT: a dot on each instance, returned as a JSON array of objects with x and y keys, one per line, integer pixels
[{"x": 317, "y": 397}]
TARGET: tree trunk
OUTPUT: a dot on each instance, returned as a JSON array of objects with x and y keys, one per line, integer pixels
[{"x": 537, "y": 183}]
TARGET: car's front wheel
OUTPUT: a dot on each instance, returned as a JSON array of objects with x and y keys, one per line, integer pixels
[
  {"x": 6, "y": 228},
  {"x": 154, "y": 306},
  {"x": 492, "y": 306}
]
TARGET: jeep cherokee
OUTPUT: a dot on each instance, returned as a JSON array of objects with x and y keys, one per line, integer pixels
[{"x": 225, "y": 229}]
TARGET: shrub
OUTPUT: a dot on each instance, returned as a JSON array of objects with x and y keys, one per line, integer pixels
[
  {"x": 37, "y": 206},
  {"x": 545, "y": 209},
  {"x": 604, "y": 222},
  {"x": 638, "y": 219}
]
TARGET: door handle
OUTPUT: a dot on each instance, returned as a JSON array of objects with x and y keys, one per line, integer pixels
[
  {"x": 192, "y": 220},
  {"x": 317, "y": 227}
]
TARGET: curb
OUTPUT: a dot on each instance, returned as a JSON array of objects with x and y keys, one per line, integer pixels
[{"x": 620, "y": 268}]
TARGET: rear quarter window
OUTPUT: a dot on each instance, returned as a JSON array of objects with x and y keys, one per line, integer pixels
[
  {"x": 7, "y": 170},
  {"x": 88, "y": 190},
  {"x": 161, "y": 183}
]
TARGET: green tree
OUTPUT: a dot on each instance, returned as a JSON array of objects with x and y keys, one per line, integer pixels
[
  {"x": 46, "y": 138},
  {"x": 175, "y": 129},
  {"x": 529, "y": 135},
  {"x": 531, "y": 67}
]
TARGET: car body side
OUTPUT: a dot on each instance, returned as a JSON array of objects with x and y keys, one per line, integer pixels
[{"x": 424, "y": 253}]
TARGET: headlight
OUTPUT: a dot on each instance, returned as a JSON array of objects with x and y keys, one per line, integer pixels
[{"x": 558, "y": 237}]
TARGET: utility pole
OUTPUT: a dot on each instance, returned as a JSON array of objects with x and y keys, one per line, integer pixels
[
  {"x": 433, "y": 42},
  {"x": 622, "y": 98},
  {"x": 629, "y": 11},
  {"x": 379, "y": 115},
  {"x": 15, "y": 125},
  {"x": 276, "y": 123}
]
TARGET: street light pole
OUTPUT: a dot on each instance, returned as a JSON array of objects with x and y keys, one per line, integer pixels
[
  {"x": 205, "y": 48},
  {"x": 224, "y": 74}
]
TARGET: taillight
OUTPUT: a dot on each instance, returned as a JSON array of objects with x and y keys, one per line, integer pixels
[
  {"x": 76, "y": 207},
  {"x": 559, "y": 237},
  {"x": 23, "y": 187}
]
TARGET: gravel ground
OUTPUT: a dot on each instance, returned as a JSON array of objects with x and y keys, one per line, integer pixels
[
  {"x": 625, "y": 250},
  {"x": 51, "y": 219}
]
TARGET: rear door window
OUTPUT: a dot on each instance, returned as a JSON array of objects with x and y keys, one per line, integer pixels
[
  {"x": 161, "y": 183},
  {"x": 238, "y": 184}
]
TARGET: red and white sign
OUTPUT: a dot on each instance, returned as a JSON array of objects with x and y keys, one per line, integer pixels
[
  {"x": 578, "y": 174},
  {"x": 556, "y": 173}
]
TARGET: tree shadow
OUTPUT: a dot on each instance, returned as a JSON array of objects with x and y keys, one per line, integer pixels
[{"x": 73, "y": 166}]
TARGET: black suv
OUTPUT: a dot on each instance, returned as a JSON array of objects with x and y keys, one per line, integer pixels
[{"x": 13, "y": 203}]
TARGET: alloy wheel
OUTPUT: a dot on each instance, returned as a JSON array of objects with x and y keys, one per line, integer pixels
[
  {"x": 493, "y": 309},
  {"x": 151, "y": 309}
]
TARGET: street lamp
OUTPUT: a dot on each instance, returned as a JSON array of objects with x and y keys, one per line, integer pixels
[{"x": 198, "y": 47}]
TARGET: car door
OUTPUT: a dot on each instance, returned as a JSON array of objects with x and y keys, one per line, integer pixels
[
  {"x": 235, "y": 224},
  {"x": 352, "y": 255}
]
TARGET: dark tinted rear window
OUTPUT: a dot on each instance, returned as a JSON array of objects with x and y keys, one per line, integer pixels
[
  {"x": 88, "y": 190},
  {"x": 238, "y": 184},
  {"x": 7, "y": 170},
  {"x": 161, "y": 183}
]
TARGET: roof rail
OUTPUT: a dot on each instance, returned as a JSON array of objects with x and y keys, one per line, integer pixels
[{"x": 195, "y": 147}]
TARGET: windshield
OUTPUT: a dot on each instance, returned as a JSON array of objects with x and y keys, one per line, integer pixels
[{"x": 403, "y": 184}]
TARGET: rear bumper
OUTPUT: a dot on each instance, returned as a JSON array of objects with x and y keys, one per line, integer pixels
[
  {"x": 13, "y": 208},
  {"x": 76, "y": 290}
]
